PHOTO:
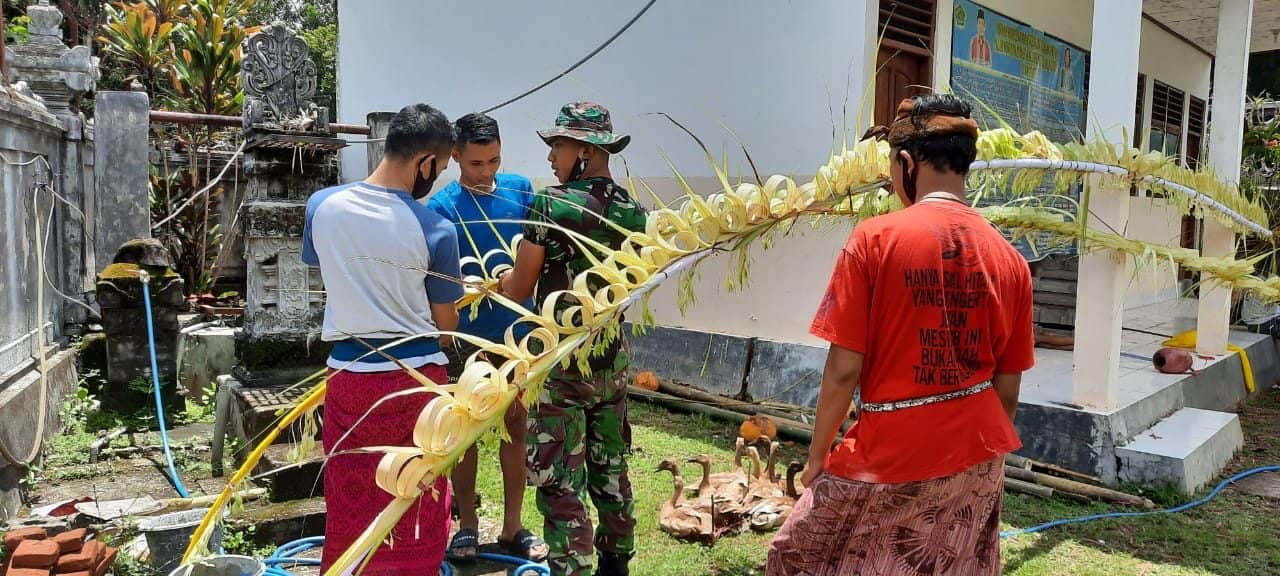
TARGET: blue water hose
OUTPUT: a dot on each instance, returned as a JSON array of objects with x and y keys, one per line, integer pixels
[
  {"x": 155, "y": 382},
  {"x": 286, "y": 554},
  {"x": 1183, "y": 508}
]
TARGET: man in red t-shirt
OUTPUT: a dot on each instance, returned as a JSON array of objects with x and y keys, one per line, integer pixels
[{"x": 929, "y": 312}]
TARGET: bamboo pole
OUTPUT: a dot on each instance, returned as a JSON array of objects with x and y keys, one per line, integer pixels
[
  {"x": 1038, "y": 466},
  {"x": 790, "y": 429},
  {"x": 1014, "y": 485},
  {"x": 749, "y": 408},
  {"x": 1065, "y": 485}
]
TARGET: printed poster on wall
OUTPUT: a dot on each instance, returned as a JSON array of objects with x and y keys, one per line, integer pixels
[{"x": 1032, "y": 81}]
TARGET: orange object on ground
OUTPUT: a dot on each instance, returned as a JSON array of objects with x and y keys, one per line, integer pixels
[
  {"x": 28, "y": 572},
  {"x": 35, "y": 554},
  {"x": 758, "y": 426},
  {"x": 647, "y": 380},
  {"x": 108, "y": 560},
  {"x": 13, "y": 537},
  {"x": 938, "y": 302},
  {"x": 78, "y": 562},
  {"x": 71, "y": 541}
]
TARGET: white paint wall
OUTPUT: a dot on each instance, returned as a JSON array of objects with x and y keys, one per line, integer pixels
[{"x": 772, "y": 72}]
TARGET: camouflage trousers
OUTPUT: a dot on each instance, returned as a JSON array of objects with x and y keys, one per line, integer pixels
[{"x": 578, "y": 441}]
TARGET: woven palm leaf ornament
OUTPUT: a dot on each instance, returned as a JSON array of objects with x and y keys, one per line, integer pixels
[{"x": 570, "y": 325}]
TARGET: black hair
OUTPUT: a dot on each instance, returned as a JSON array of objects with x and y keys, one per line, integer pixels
[
  {"x": 982, "y": 15},
  {"x": 954, "y": 152},
  {"x": 416, "y": 129},
  {"x": 476, "y": 128}
]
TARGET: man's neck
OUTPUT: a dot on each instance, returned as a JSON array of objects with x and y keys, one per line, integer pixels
[
  {"x": 597, "y": 172},
  {"x": 385, "y": 176},
  {"x": 476, "y": 188}
]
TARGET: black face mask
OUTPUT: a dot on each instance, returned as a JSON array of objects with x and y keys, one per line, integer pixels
[{"x": 422, "y": 186}]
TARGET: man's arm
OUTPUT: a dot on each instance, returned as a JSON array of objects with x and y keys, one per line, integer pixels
[
  {"x": 443, "y": 282},
  {"x": 446, "y": 319},
  {"x": 839, "y": 380},
  {"x": 519, "y": 283},
  {"x": 1007, "y": 387}
]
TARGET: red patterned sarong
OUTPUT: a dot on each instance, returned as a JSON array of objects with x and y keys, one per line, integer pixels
[
  {"x": 937, "y": 527},
  {"x": 352, "y": 500}
]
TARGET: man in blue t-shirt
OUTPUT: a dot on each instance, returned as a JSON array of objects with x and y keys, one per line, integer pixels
[{"x": 487, "y": 209}]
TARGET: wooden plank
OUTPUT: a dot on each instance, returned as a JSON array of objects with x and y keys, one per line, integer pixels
[
  {"x": 1062, "y": 300},
  {"x": 1056, "y": 315},
  {"x": 1056, "y": 286}
]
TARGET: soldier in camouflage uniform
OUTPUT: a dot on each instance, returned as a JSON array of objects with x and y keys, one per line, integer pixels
[{"x": 578, "y": 431}]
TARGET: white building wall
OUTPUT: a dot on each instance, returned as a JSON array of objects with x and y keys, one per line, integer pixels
[
  {"x": 772, "y": 71},
  {"x": 776, "y": 72}
]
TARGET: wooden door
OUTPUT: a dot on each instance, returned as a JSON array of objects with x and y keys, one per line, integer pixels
[{"x": 900, "y": 74}]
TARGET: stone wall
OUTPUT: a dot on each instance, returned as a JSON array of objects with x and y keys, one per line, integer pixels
[{"x": 30, "y": 136}]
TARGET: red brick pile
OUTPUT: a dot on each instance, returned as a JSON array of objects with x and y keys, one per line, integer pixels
[{"x": 31, "y": 552}]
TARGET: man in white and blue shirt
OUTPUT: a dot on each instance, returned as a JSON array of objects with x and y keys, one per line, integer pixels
[
  {"x": 391, "y": 271},
  {"x": 487, "y": 209}
]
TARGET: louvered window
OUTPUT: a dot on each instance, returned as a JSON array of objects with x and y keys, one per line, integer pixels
[
  {"x": 1196, "y": 116},
  {"x": 1167, "y": 108},
  {"x": 908, "y": 25}
]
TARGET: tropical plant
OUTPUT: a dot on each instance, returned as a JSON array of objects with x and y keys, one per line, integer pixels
[
  {"x": 206, "y": 64},
  {"x": 136, "y": 38}
]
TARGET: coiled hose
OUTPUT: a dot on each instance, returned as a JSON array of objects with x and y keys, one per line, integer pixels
[{"x": 286, "y": 555}]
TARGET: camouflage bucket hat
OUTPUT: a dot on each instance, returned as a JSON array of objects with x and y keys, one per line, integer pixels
[{"x": 586, "y": 122}]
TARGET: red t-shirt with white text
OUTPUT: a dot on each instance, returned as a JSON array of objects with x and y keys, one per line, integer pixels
[{"x": 937, "y": 301}]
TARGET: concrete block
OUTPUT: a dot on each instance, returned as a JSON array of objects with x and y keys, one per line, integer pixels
[
  {"x": 203, "y": 355},
  {"x": 19, "y": 405},
  {"x": 786, "y": 372},
  {"x": 123, "y": 171},
  {"x": 713, "y": 362},
  {"x": 1187, "y": 449},
  {"x": 292, "y": 480},
  {"x": 1069, "y": 437}
]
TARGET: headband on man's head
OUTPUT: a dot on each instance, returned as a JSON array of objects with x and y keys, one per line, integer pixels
[{"x": 908, "y": 126}]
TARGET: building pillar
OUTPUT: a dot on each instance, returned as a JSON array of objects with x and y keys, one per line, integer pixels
[
  {"x": 1100, "y": 294},
  {"x": 1226, "y": 135}
]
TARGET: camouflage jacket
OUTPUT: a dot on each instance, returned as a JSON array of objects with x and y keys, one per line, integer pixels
[{"x": 574, "y": 206}]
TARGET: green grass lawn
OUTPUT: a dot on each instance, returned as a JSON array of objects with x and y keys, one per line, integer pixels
[{"x": 1234, "y": 534}]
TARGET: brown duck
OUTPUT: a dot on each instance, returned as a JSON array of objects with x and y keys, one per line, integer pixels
[
  {"x": 680, "y": 518},
  {"x": 770, "y": 513}
]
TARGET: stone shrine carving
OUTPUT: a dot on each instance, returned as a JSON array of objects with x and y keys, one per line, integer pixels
[
  {"x": 57, "y": 74},
  {"x": 279, "y": 82}
]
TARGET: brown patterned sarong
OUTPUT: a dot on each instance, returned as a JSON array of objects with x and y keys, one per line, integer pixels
[{"x": 937, "y": 527}]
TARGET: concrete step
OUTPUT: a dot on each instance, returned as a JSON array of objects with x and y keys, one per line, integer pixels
[
  {"x": 1188, "y": 449},
  {"x": 288, "y": 477}
]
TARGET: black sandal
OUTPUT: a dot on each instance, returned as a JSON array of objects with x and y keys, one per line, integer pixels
[
  {"x": 522, "y": 544},
  {"x": 464, "y": 538}
]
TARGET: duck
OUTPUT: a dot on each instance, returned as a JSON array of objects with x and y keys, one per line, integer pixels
[
  {"x": 723, "y": 493},
  {"x": 761, "y": 485},
  {"x": 727, "y": 486},
  {"x": 770, "y": 513},
  {"x": 679, "y": 518}
]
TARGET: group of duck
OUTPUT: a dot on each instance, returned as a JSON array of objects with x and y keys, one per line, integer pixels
[{"x": 729, "y": 502}]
